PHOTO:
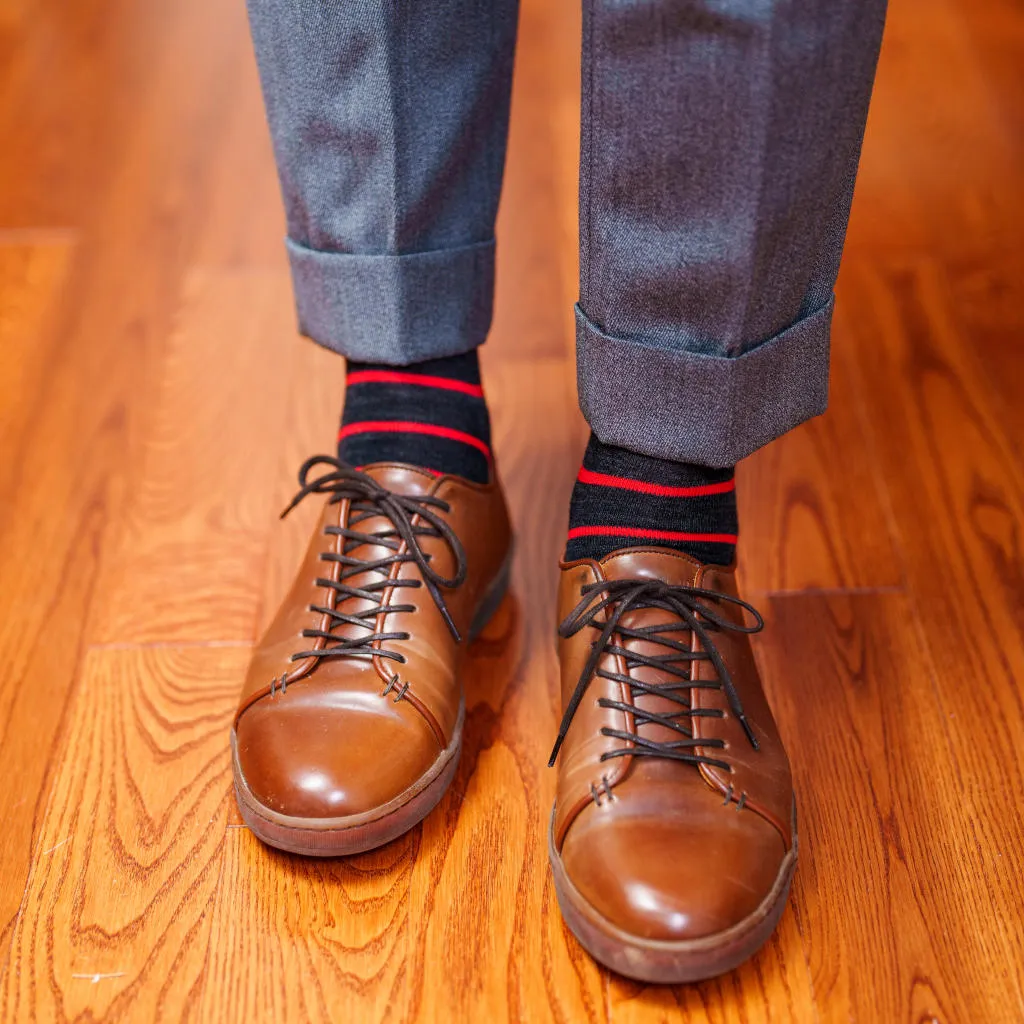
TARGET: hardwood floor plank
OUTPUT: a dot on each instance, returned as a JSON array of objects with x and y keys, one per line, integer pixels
[
  {"x": 57, "y": 149},
  {"x": 100, "y": 346},
  {"x": 958, "y": 503},
  {"x": 889, "y": 816},
  {"x": 87, "y": 81},
  {"x": 33, "y": 272},
  {"x": 115, "y": 922},
  {"x": 312, "y": 411},
  {"x": 313, "y": 940},
  {"x": 956, "y": 487},
  {"x": 986, "y": 301},
  {"x": 245, "y": 226},
  {"x": 536, "y": 230},
  {"x": 997, "y": 33},
  {"x": 31, "y": 277},
  {"x": 940, "y": 166},
  {"x": 186, "y": 556},
  {"x": 812, "y": 507}
]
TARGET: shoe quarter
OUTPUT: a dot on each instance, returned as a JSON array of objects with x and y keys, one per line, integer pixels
[
  {"x": 761, "y": 778},
  {"x": 583, "y": 778},
  {"x": 433, "y": 657},
  {"x": 479, "y": 519},
  {"x": 283, "y": 637}
]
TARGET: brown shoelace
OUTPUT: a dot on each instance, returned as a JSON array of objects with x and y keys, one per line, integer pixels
[
  {"x": 412, "y": 517},
  {"x": 695, "y": 613}
]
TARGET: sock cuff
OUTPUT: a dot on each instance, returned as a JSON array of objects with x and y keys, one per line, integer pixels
[
  {"x": 464, "y": 367},
  {"x": 621, "y": 498},
  {"x": 431, "y": 414},
  {"x": 613, "y": 461}
]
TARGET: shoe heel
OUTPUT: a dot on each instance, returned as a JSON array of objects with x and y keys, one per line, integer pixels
[{"x": 492, "y": 599}]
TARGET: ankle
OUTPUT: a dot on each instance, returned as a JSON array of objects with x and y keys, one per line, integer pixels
[
  {"x": 430, "y": 414},
  {"x": 622, "y": 499}
]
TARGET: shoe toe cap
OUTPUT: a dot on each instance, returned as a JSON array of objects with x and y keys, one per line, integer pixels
[
  {"x": 673, "y": 877},
  {"x": 310, "y": 753}
]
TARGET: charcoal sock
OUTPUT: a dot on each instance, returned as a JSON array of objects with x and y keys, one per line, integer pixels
[
  {"x": 622, "y": 499},
  {"x": 430, "y": 414}
]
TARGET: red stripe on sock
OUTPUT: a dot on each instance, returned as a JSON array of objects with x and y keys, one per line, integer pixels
[
  {"x": 405, "y": 427},
  {"x": 588, "y": 476},
  {"x": 394, "y": 377},
  {"x": 640, "y": 534}
]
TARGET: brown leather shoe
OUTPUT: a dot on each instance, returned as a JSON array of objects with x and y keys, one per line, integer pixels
[
  {"x": 673, "y": 836},
  {"x": 350, "y": 724}
]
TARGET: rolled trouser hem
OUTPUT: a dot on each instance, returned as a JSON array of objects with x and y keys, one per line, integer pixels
[
  {"x": 705, "y": 409},
  {"x": 395, "y": 309}
]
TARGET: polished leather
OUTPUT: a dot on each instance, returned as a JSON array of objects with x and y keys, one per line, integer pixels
[
  {"x": 344, "y": 736},
  {"x": 663, "y": 849}
]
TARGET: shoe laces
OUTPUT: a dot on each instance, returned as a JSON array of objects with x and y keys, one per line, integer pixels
[
  {"x": 696, "y": 612},
  {"x": 412, "y": 517}
]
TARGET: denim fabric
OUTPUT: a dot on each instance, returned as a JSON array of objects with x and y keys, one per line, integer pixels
[{"x": 720, "y": 141}]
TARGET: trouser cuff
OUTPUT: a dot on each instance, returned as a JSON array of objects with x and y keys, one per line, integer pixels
[
  {"x": 704, "y": 409},
  {"x": 395, "y": 309}
]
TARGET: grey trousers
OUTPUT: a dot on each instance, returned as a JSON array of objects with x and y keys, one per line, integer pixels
[{"x": 720, "y": 141}]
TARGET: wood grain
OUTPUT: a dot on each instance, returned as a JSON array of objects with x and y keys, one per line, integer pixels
[
  {"x": 115, "y": 921},
  {"x": 806, "y": 526},
  {"x": 537, "y": 279},
  {"x": 30, "y": 278},
  {"x": 123, "y": 175},
  {"x": 185, "y": 557},
  {"x": 155, "y": 403},
  {"x": 945, "y": 451},
  {"x": 890, "y": 875},
  {"x": 986, "y": 302}
]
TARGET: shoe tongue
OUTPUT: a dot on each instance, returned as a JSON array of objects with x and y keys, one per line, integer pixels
[
  {"x": 401, "y": 479},
  {"x": 673, "y": 567}
]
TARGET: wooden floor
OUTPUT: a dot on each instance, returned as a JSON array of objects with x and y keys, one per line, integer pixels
[{"x": 155, "y": 403}]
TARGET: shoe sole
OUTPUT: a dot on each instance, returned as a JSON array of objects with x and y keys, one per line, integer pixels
[
  {"x": 665, "y": 962},
  {"x": 357, "y": 833}
]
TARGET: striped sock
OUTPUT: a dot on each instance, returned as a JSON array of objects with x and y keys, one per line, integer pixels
[
  {"x": 623, "y": 499},
  {"x": 430, "y": 414}
]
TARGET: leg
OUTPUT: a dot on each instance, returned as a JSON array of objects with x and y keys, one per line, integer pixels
[
  {"x": 389, "y": 121},
  {"x": 720, "y": 143},
  {"x": 720, "y": 146}
]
